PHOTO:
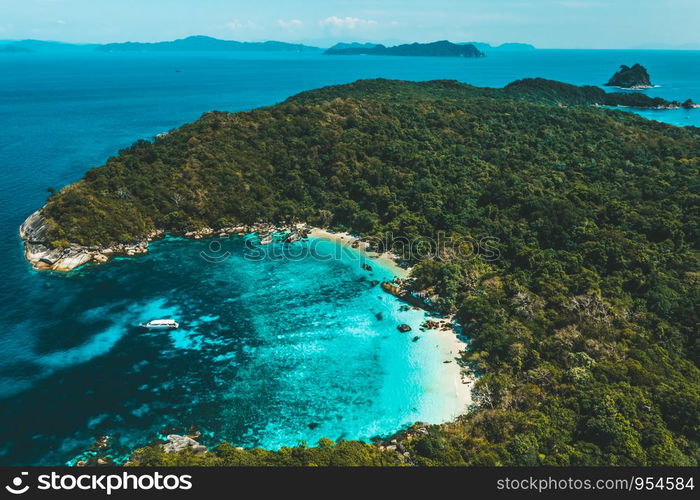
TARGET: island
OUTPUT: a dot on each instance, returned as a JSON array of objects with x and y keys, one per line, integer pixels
[
  {"x": 435, "y": 49},
  {"x": 352, "y": 45},
  {"x": 190, "y": 44},
  {"x": 582, "y": 314},
  {"x": 199, "y": 43},
  {"x": 504, "y": 47},
  {"x": 77, "y": 227},
  {"x": 636, "y": 77}
]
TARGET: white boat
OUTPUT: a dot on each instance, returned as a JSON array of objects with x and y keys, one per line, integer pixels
[{"x": 160, "y": 324}]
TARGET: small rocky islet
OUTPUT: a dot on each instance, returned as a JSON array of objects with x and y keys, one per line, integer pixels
[{"x": 634, "y": 77}]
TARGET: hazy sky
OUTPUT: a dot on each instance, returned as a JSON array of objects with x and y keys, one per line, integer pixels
[{"x": 545, "y": 23}]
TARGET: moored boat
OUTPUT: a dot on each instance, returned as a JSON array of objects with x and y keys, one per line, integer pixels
[{"x": 160, "y": 324}]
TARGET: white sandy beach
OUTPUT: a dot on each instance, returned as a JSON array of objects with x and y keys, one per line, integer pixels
[
  {"x": 453, "y": 381},
  {"x": 387, "y": 259}
]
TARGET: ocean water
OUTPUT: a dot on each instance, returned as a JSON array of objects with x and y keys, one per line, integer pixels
[{"x": 272, "y": 351}]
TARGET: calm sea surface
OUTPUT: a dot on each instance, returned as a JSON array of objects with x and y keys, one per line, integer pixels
[{"x": 272, "y": 352}]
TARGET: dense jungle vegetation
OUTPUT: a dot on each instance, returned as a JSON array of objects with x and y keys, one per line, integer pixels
[{"x": 584, "y": 330}]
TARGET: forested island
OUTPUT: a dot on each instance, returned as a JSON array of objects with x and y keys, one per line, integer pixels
[
  {"x": 435, "y": 49},
  {"x": 636, "y": 77},
  {"x": 196, "y": 43},
  {"x": 583, "y": 332},
  {"x": 201, "y": 43}
]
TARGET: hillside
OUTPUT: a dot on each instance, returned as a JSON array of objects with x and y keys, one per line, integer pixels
[{"x": 584, "y": 330}]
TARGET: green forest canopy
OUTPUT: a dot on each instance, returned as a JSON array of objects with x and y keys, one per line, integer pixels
[{"x": 584, "y": 332}]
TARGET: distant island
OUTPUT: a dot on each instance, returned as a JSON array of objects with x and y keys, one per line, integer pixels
[
  {"x": 200, "y": 43},
  {"x": 29, "y": 45},
  {"x": 482, "y": 46},
  {"x": 206, "y": 44},
  {"x": 636, "y": 77},
  {"x": 189, "y": 44},
  {"x": 442, "y": 48},
  {"x": 486, "y": 47},
  {"x": 353, "y": 45}
]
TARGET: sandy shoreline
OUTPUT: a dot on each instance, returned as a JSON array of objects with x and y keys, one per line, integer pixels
[
  {"x": 386, "y": 259},
  {"x": 448, "y": 342}
]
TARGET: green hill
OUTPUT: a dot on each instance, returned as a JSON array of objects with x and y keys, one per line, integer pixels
[{"x": 584, "y": 331}]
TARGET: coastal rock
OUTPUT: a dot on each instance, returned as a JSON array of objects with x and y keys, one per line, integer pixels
[
  {"x": 689, "y": 104},
  {"x": 636, "y": 77},
  {"x": 199, "y": 233},
  {"x": 41, "y": 255},
  {"x": 100, "y": 257},
  {"x": 33, "y": 231},
  {"x": 177, "y": 443},
  {"x": 404, "y": 328},
  {"x": 431, "y": 324},
  {"x": 392, "y": 289},
  {"x": 296, "y": 234}
]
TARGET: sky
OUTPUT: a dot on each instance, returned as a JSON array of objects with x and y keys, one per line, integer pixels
[{"x": 543, "y": 23}]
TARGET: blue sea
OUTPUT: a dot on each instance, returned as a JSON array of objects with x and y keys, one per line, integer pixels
[{"x": 272, "y": 352}]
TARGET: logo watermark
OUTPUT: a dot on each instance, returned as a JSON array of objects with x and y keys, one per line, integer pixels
[
  {"x": 100, "y": 482},
  {"x": 16, "y": 488},
  {"x": 276, "y": 246}
]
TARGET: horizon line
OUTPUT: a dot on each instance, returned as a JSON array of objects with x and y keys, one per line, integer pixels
[{"x": 691, "y": 46}]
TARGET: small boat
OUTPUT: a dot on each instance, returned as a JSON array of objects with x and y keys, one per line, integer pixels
[{"x": 160, "y": 324}]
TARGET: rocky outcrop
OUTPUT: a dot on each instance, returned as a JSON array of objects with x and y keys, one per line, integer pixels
[
  {"x": 635, "y": 77},
  {"x": 42, "y": 255},
  {"x": 689, "y": 104},
  {"x": 392, "y": 289},
  {"x": 297, "y": 233},
  {"x": 177, "y": 443}
]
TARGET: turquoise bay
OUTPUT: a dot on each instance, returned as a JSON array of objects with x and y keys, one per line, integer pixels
[
  {"x": 271, "y": 351},
  {"x": 277, "y": 345}
]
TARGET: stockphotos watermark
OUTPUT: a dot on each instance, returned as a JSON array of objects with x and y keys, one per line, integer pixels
[
  {"x": 98, "y": 482},
  {"x": 276, "y": 247}
]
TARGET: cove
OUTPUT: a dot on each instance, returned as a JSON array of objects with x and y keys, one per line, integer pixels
[{"x": 275, "y": 348}]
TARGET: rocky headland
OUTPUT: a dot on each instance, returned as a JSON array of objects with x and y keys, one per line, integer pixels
[{"x": 43, "y": 256}]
